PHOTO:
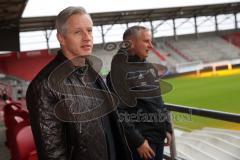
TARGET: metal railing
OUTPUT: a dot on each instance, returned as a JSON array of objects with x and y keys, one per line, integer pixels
[{"x": 219, "y": 115}]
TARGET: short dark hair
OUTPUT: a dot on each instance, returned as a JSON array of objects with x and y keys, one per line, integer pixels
[{"x": 132, "y": 31}]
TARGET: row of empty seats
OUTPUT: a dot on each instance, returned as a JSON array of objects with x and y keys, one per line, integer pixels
[
  {"x": 233, "y": 38},
  {"x": 207, "y": 48}
]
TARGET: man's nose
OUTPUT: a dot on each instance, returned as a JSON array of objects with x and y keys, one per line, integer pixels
[
  {"x": 86, "y": 36},
  {"x": 150, "y": 46}
]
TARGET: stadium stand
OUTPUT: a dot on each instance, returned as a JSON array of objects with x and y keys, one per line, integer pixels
[
  {"x": 176, "y": 50},
  {"x": 233, "y": 38},
  {"x": 188, "y": 51},
  {"x": 207, "y": 48},
  {"x": 35, "y": 60}
]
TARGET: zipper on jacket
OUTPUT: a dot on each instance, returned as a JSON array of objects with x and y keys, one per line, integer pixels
[
  {"x": 126, "y": 140},
  {"x": 109, "y": 92}
]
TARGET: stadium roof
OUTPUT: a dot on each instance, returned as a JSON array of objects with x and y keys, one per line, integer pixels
[
  {"x": 121, "y": 17},
  {"x": 11, "y": 11}
]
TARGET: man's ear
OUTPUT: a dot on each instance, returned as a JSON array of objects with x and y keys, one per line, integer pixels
[
  {"x": 131, "y": 43},
  {"x": 60, "y": 38}
]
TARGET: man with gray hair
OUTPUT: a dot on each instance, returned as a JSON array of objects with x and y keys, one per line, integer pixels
[{"x": 72, "y": 112}]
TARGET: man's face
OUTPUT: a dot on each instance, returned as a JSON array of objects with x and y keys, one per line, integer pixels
[
  {"x": 77, "y": 39},
  {"x": 142, "y": 44}
]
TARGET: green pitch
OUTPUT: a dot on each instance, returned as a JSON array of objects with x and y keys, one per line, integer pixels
[{"x": 220, "y": 93}]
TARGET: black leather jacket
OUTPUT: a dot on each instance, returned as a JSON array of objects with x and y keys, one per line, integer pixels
[
  {"x": 142, "y": 125},
  {"x": 60, "y": 139}
]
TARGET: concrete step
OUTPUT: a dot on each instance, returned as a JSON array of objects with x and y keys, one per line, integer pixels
[
  {"x": 192, "y": 152},
  {"x": 233, "y": 139},
  {"x": 217, "y": 142},
  {"x": 220, "y": 130},
  {"x": 211, "y": 149}
]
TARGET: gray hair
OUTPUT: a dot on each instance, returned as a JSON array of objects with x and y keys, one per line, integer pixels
[
  {"x": 63, "y": 16},
  {"x": 133, "y": 31}
]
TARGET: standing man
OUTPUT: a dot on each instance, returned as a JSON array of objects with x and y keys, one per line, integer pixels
[
  {"x": 146, "y": 124},
  {"x": 71, "y": 110}
]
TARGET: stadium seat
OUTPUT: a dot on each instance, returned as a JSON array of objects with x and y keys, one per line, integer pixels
[
  {"x": 233, "y": 38},
  {"x": 12, "y": 138},
  {"x": 17, "y": 120},
  {"x": 25, "y": 146},
  {"x": 18, "y": 133},
  {"x": 13, "y": 116},
  {"x": 33, "y": 155}
]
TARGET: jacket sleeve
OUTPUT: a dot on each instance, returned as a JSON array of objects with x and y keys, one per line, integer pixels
[
  {"x": 134, "y": 137},
  {"x": 168, "y": 124},
  {"x": 47, "y": 129}
]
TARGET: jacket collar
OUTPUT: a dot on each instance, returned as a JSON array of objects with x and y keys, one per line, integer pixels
[
  {"x": 134, "y": 58},
  {"x": 61, "y": 58},
  {"x": 131, "y": 58}
]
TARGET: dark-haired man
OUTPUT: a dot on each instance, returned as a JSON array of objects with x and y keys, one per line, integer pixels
[{"x": 145, "y": 134}]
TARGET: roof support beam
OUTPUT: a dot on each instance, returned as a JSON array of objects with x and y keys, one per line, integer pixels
[
  {"x": 109, "y": 28},
  {"x": 103, "y": 36},
  {"x": 207, "y": 19},
  {"x": 216, "y": 23},
  {"x": 236, "y": 21},
  {"x": 196, "y": 26},
  {"x": 47, "y": 36},
  {"x": 174, "y": 29},
  {"x": 152, "y": 29},
  {"x": 188, "y": 19},
  {"x": 155, "y": 28}
]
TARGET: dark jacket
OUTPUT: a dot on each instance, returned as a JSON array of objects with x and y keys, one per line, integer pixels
[
  {"x": 67, "y": 139},
  {"x": 138, "y": 121}
]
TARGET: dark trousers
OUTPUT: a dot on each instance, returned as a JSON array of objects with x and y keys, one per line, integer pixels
[{"x": 158, "y": 150}]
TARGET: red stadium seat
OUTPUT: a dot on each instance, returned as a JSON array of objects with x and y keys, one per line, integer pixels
[
  {"x": 11, "y": 119},
  {"x": 33, "y": 155},
  {"x": 12, "y": 106},
  {"x": 14, "y": 121},
  {"x": 11, "y": 131},
  {"x": 25, "y": 144},
  {"x": 18, "y": 133},
  {"x": 14, "y": 118},
  {"x": 8, "y": 112},
  {"x": 12, "y": 138}
]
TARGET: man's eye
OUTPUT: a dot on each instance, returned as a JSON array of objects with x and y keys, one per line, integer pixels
[{"x": 90, "y": 31}]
